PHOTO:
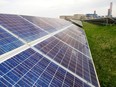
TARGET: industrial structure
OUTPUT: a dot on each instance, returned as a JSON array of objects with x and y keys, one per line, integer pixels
[
  {"x": 88, "y": 16},
  {"x": 110, "y": 10},
  {"x": 94, "y": 18}
]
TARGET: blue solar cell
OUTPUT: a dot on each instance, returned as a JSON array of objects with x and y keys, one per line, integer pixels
[
  {"x": 69, "y": 48},
  {"x": 42, "y": 72},
  {"x": 77, "y": 44},
  {"x": 8, "y": 42},
  {"x": 38, "y": 21},
  {"x": 67, "y": 56},
  {"x": 21, "y": 28},
  {"x": 56, "y": 23}
]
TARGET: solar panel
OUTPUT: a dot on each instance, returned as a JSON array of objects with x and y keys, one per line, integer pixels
[
  {"x": 48, "y": 24},
  {"x": 79, "y": 44},
  {"x": 21, "y": 28},
  {"x": 38, "y": 21},
  {"x": 48, "y": 52},
  {"x": 8, "y": 42},
  {"x": 29, "y": 68},
  {"x": 68, "y": 57}
]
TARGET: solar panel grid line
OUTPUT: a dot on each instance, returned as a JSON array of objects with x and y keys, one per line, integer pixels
[
  {"x": 71, "y": 32},
  {"x": 69, "y": 64},
  {"x": 62, "y": 67},
  {"x": 64, "y": 55},
  {"x": 58, "y": 22},
  {"x": 74, "y": 31},
  {"x": 15, "y": 67},
  {"x": 8, "y": 42},
  {"x": 6, "y": 81},
  {"x": 82, "y": 70},
  {"x": 5, "y": 56},
  {"x": 32, "y": 44},
  {"x": 49, "y": 23},
  {"x": 73, "y": 48},
  {"x": 89, "y": 71},
  {"x": 4, "y": 84},
  {"x": 65, "y": 61},
  {"x": 76, "y": 62},
  {"x": 39, "y": 22},
  {"x": 39, "y": 26},
  {"x": 13, "y": 34},
  {"x": 32, "y": 23},
  {"x": 47, "y": 36},
  {"x": 47, "y": 43},
  {"x": 53, "y": 77},
  {"x": 20, "y": 25},
  {"x": 54, "y": 22},
  {"x": 80, "y": 45},
  {"x": 18, "y": 72},
  {"x": 76, "y": 39},
  {"x": 12, "y": 53},
  {"x": 53, "y": 46},
  {"x": 93, "y": 64},
  {"x": 41, "y": 73},
  {"x": 64, "y": 79}
]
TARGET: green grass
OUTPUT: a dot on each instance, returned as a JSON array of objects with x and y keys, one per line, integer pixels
[{"x": 102, "y": 41}]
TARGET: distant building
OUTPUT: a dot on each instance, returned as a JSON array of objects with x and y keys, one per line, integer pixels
[
  {"x": 80, "y": 17},
  {"x": 92, "y": 16},
  {"x": 66, "y": 17},
  {"x": 110, "y": 10},
  {"x": 74, "y": 17}
]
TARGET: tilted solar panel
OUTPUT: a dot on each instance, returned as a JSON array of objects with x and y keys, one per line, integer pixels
[
  {"x": 77, "y": 44},
  {"x": 68, "y": 57},
  {"x": 29, "y": 68},
  {"x": 21, "y": 28},
  {"x": 38, "y": 21},
  {"x": 48, "y": 52},
  {"x": 8, "y": 42}
]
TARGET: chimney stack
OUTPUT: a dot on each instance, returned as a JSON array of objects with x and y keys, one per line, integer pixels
[{"x": 110, "y": 10}]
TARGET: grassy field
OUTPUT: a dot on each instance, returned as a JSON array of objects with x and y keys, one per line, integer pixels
[{"x": 102, "y": 41}]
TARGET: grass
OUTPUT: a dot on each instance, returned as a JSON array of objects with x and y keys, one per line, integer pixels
[{"x": 102, "y": 41}]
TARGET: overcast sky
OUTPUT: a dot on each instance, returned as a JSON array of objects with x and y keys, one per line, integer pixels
[{"x": 55, "y": 8}]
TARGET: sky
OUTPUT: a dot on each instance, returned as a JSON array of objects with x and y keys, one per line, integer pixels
[{"x": 55, "y": 8}]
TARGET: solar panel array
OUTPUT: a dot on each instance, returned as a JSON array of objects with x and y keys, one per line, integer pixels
[{"x": 54, "y": 53}]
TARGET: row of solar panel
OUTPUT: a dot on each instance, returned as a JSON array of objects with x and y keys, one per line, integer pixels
[
  {"x": 8, "y": 42},
  {"x": 24, "y": 30},
  {"x": 69, "y": 58},
  {"x": 29, "y": 68},
  {"x": 56, "y": 49}
]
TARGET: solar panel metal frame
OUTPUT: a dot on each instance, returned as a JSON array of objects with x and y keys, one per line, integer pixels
[{"x": 30, "y": 46}]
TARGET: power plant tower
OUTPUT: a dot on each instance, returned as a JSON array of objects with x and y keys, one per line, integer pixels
[{"x": 110, "y": 10}]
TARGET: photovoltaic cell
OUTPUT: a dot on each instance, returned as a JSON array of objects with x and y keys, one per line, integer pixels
[
  {"x": 69, "y": 48},
  {"x": 68, "y": 57},
  {"x": 76, "y": 34},
  {"x": 38, "y": 21},
  {"x": 29, "y": 68},
  {"x": 56, "y": 23},
  {"x": 8, "y": 42},
  {"x": 21, "y": 28},
  {"x": 73, "y": 42}
]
